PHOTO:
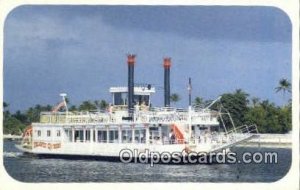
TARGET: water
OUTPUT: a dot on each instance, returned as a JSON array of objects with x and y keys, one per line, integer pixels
[{"x": 28, "y": 169}]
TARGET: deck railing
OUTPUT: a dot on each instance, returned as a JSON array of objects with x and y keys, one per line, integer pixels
[{"x": 154, "y": 115}]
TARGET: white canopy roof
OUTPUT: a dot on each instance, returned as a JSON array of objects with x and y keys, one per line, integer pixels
[{"x": 138, "y": 90}]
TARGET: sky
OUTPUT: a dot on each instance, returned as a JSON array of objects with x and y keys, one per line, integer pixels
[{"x": 81, "y": 50}]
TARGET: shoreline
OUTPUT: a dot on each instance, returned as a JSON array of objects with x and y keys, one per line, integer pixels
[
  {"x": 265, "y": 145},
  {"x": 12, "y": 137},
  {"x": 270, "y": 140}
]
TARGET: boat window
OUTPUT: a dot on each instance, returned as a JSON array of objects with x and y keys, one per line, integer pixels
[
  {"x": 120, "y": 98},
  {"x": 102, "y": 136},
  {"x": 58, "y": 133},
  {"x": 79, "y": 135},
  {"x": 139, "y": 136},
  {"x": 39, "y": 133},
  {"x": 48, "y": 133},
  {"x": 113, "y": 136},
  {"x": 126, "y": 136},
  {"x": 87, "y": 135},
  {"x": 154, "y": 134},
  {"x": 141, "y": 100},
  {"x": 69, "y": 135},
  {"x": 143, "y": 135}
]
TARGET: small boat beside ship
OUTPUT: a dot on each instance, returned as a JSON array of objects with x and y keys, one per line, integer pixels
[{"x": 131, "y": 122}]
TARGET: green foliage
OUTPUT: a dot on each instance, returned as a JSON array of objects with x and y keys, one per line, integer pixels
[
  {"x": 102, "y": 105},
  {"x": 198, "y": 102},
  {"x": 269, "y": 118},
  {"x": 284, "y": 86},
  {"x": 73, "y": 108},
  {"x": 16, "y": 123},
  {"x": 13, "y": 126},
  {"x": 174, "y": 98},
  {"x": 21, "y": 117},
  {"x": 87, "y": 106},
  {"x": 236, "y": 104},
  {"x": 33, "y": 113}
]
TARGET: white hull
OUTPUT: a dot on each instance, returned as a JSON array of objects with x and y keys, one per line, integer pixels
[{"x": 114, "y": 149}]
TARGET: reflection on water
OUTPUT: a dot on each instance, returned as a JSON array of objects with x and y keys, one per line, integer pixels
[{"x": 28, "y": 169}]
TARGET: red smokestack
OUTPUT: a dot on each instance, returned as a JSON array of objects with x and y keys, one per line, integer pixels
[
  {"x": 167, "y": 62},
  {"x": 167, "y": 66},
  {"x": 130, "y": 61}
]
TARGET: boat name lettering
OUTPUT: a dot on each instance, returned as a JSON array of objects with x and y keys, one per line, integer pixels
[{"x": 47, "y": 145}]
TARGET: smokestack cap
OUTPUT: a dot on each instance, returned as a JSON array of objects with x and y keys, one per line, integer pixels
[
  {"x": 167, "y": 62},
  {"x": 131, "y": 59}
]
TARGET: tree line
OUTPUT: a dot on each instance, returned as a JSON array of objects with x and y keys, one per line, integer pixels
[
  {"x": 243, "y": 108},
  {"x": 15, "y": 123}
]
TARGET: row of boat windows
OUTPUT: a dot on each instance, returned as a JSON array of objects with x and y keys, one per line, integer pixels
[
  {"x": 112, "y": 136},
  {"x": 48, "y": 132}
]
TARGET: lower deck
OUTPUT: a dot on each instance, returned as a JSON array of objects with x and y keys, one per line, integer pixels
[
  {"x": 120, "y": 134},
  {"x": 111, "y": 140}
]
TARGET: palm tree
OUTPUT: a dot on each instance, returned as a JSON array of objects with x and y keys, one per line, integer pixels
[
  {"x": 6, "y": 113},
  {"x": 103, "y": 104},
  {"x": 5, "y": 105},
  {"x": 284, "y": 86},
  {"x": 73, "y": 108},
  {"x": 87, "y": 106},
  {"x": 198, "y": 101},
  {"x": 241, "y": 92},
  {"x": 255, "y": 100},
  {"x": 174, "y": 98},
  {"x": 97, "y": 104}
]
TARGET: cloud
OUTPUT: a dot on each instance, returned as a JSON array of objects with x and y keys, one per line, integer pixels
[{"x": 82, "y": 51}]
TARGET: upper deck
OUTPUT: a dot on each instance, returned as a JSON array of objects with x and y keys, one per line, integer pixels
[{"x": 118, "y": 115}]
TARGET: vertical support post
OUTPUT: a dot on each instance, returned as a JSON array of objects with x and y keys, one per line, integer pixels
[
  {"x": 160, "y": 135},
  {"x": 113, "y": 98},
  {"x": 84, "y": 134},
  {"x": 107, "y": 134},
  {"x": 73, "y": 134},
  {"x": 96, "y": 134},
  {"x": 91, "y": 135},
  {"x": 120, "y": 134}
]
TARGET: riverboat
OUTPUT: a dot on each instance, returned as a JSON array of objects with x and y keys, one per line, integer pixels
[{"x": 131, "y": 122}]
